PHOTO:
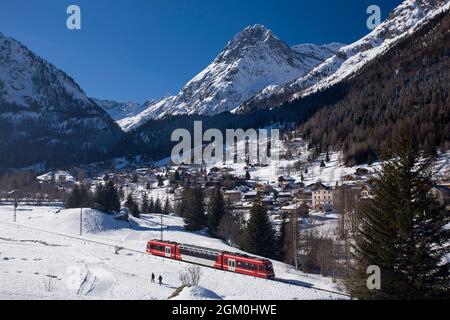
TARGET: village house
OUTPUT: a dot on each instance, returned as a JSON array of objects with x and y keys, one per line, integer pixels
[
  {"x": 285, "y": 181},
  {"x": 442, "y": 194},
  {"x": 362, "y": 172},
  {"x": 305, "y": 196},
  {"x": 232, "y": 196},
  {"x": 250, "y": 196},
  {"x": 300, "y": 209},
  {"x": 322, "y": 197},
  {"x": 284, "y": 197}
]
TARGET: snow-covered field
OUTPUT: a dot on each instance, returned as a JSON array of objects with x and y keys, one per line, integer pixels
[{"x": 42, "y": 256}]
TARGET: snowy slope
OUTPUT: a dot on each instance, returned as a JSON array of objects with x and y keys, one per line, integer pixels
[
  {"x": 20, "y": 70},
  {"x": 403, "y": 21},
  {"x": 253, "y": 60},
  {"x": 42, "y": 107},
  {"x": 31, "y": 258}
]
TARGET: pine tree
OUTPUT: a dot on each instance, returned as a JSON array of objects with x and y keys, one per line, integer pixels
[
  {"x": 107, "y": 197},
  {"x": 402, "y": 230},
  {"x": 167, "y": 208},
  {"x": 247, "y": 175},
  {"x": 194, "y": 212},
  {"x": 369, "y": 160},
  {"x": 160, "y": 181},
  {"x": 151, "y": 206},
  {"x": 281, "y": 239},
  {"x": 79, "y": 197},
  {"x": 132, "y": 206},
  {"x": 158, "y": 207},
  {"x": 259, "y": 237},
  {"x": 135, "y": 178},
  {"x": 216, "y": 211},
  {"x": 145, "y": 207}
]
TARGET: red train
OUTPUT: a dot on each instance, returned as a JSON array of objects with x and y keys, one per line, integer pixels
[{"x": 233, "y": 262}]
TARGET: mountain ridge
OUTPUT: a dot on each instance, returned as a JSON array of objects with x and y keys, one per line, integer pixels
[
  {"x": 252, "y": 60},
  {"x": 44, "y": 114},
  {"x": 403, "y": 20}
]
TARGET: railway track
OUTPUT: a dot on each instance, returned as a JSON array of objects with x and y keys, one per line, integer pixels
[{"x": 145, "y": 254}]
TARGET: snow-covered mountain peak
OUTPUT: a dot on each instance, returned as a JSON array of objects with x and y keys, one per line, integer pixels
[
  {"x": 26, "y": 79},
  {"x": 403, "y": 20},
  {"x": 44, "y": 113},
  {"x": 121, "y": 110},
  {"x": 253, "y": 60},
  {"x": 251, "y": 36}
]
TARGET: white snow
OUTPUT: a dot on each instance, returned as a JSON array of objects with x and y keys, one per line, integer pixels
[
  {"x": 196, "y": 293},
  {"x": 43, "y": 257}
]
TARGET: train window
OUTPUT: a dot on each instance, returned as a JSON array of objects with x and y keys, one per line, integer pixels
[
  {"x": 157, "y": 248},
  {"x": 198, "y": 253},
  {"x": 267, "y": 267},
  {"x": 246, "y": 265}
]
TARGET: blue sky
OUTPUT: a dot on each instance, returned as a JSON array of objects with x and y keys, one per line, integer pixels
[{"x": 145, "y": 49}]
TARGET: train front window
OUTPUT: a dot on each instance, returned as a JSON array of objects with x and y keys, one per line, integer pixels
[{"x": 267, "y": 267}]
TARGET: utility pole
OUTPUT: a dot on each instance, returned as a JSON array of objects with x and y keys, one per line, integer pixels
[
  {"x": 81, "y": 221},
  {"x": 16, "y": 204},
  {"x": 295, "y": 235},
  {"x": 162, "y": 238}
]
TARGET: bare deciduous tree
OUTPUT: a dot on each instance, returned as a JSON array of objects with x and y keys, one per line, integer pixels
[{"x": 191, "y": 276}]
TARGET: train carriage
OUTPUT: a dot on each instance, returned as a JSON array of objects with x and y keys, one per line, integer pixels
[
  {"x": 227, "y": 261},
  {"x": 164, "y": 249},
  {"x": 247, "y": 265},
  {"x": 202, "y": 256}
]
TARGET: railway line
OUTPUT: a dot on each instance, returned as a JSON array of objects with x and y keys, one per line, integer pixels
[{"x": 118, "y": 248}]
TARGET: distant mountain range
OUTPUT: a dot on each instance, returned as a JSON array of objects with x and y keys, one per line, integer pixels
[
  {"x": 403, "y": 21},
  {"x": 257, "y": 80},
  {"x": 121, "y": 110},
  {"x": 257, "y": 70}
]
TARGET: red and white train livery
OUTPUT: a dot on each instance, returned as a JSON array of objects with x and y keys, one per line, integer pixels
[{"x": 227, "y": 261}]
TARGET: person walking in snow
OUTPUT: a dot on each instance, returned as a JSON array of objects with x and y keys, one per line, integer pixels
[
  {"x": 160, "y": 280},
  {"x": 153, "y": 278}
]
